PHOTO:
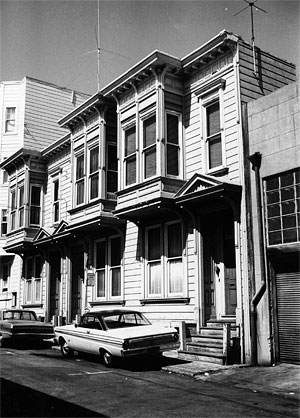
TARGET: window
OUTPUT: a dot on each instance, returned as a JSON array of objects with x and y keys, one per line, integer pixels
[
  {"x": 108, "y": 268},
  {"x": 3, "y": 230},
  {"x": 282, "y": 197},
  {"x": 13, "y": 206},
  {"x": 21, "y": 206},
  {"x": 33, "y": 282},
  {"x": 130, "y": 156},
  {"x": 149, "y": 146},
  {"x": 10, "y": 119},
  {"x": 164, "y": 263},
  {"x": 35, "y": 205},
  {"x": 55, "y": 200},
  {"x": 79, "y": 180},
  {"x": 94, "y": 173},
  {"x": 213, "y": 135},
  {"x": 4, "y": 176},
  {"x": 5, "y": 275},
  {"x": 172, "y": 145},
  {"x": 112, "y": 169}
]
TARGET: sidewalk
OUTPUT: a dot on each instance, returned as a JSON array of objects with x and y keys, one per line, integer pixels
[{"x": 282, "y": 379}]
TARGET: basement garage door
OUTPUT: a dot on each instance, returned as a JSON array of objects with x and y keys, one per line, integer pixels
[{"x": 288, "y": 316}]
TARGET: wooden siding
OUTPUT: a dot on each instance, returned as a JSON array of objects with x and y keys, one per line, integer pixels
[
  {"x": 273, "y": 73},
  {"x": 45, "y": 104}
]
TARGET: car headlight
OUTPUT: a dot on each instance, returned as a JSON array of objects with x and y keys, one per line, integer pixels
[
  {"x": 176, "y": 337},
  {"x": 126, "y": 345}
]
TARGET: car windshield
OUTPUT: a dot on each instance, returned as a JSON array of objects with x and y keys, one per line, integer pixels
[
  {"x": 22, "y": 315},
  {"x": 124, "y": 320}
]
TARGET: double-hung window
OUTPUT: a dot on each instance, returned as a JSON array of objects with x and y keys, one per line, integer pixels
[
  {"x": 21, "y": 206},
  {"x": 130, "y": 156},
  {"x": 79, "y": 179},
  {"x": 213, "y": 135},
  {"x": 173, "y": 145},
  {"x": 13, "y": 209},
  {"x": 3, "y": 230},
  {"x": 10, "y": 119},
  {"x": 108, "y": 256},
  {"x": 94, "y": 172},
  {"x": 5, "y": 268},
  {"x": 164, "y": 260},
  {"x": 149, "y": 146},
  {"x": 33, "y": 282},
  {"x": 35, "y": 205},
  {"x": 55, "y": 200}
]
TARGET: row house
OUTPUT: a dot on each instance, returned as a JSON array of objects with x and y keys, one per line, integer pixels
[
  {"x": 144, "y": 199},
  {"x": 29, "y": 110}
]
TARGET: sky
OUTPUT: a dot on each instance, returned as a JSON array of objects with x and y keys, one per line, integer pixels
[{"x": 52, "y": 40}]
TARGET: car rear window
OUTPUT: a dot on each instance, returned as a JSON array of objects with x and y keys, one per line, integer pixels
[
  {"x": 26, "y": 316},
  {"x": 124, "y": 320}
]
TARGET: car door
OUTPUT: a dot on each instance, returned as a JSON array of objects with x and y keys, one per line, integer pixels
[
  {"x": 96, "y": 334},
  {"x": 81, "y": 339}
]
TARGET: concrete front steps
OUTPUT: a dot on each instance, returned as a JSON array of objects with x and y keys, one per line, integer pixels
[{"x": 209, "y": 345}]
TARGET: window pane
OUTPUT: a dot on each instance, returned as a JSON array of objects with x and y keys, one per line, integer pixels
[
  {"x": 213, "y": 119},
  {"x": 274, "y": 224},
  {"x": 116, "y": 281},
  {"x": 130, "y": 145},
  {"x": 28, "y": 290},
  {"x": 215, "y": 152},
  {"x": 172, "y": 129},
  {"x": 175, "y": 276},
  {"x": 272, "y": 184},
  {"x": 100, "y": 255},
  {"x": 290, "y": 235},
  {"x": 94, "y": 159},
  {"x": 10, "y": 122},
  {"x": 288, "y": 207},
  {"x": 55, "y": 190},
  {"x": 115, "y": 251},
  {"x": 150, "y": 162},
  {"x": 155, "y": 275},
  {"x": 287, "y": 179},
  {"x": 94, "y": 186},
  {"x": 154, "y": 252},
  {"x": 112, "y": 162},
  {"x": 130, "y": 171},
  {"x": 79, "y": 167},
  {"x": 288, "y": 193},
  {"x": 273, "y": 210},
  {"x": 112, "y": 181},
  {"x": 80, "y": 192},
  {"x": 21, "y": 196},
  {"x": 38, "y": 266},
  {"x": 29, "y": 268},
  {"x": 100, "y": 284},
  {"x": 172, "y": 160},
  {"x": 174, "y": 240},
  {"x": 35, "y": 196},
  {"x": 37, "y": 290},
  {"x": 149, "y": 131},
  {"x": 21, "y": 217},
  {"x": 35, "y": 216}
]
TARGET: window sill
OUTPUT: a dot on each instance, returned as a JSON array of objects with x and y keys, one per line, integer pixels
[
  {"x": 185, "y": 301},
  {"x": 107, "y": 302},
  {"x": 32, "y": 305},
  {"x": 218, "y": 172}
]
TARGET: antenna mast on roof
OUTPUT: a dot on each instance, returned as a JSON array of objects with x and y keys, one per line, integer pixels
[{"x": 251, "y": 4}]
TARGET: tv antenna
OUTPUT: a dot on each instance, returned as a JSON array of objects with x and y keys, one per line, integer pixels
[
  {"x": 251, "y": 4},
  {"x": 98, "y": 50}
]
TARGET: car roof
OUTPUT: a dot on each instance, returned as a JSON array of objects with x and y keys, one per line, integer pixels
[
  {"x": 111, "y": 312},
  {"x": 16, "y": 310}
]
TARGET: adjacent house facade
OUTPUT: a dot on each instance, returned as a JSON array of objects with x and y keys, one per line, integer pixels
[
  {"x": 144, "y": 199},
  {"x": 274, "y": 200},
  {"x": 30, "y": 109}
]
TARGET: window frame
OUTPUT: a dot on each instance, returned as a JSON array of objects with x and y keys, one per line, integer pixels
[
  {"x": 179, "y": 146},
  {"x": 108, "y": 269},
  {"x": 7, "y": 120},
  {"x": 5, "y": 276},
  {"x": 80, "y": 180},
  {"x": 145, "y": 149},
  {"x": 132, "y": 156},
  {"x": 32, "y": 281},
  {"x": 4, "y": 222},
  {"x": 13, "y": 209},
  {"x": 55, "y": 199},
  {"x": 93, "y": 174},
  {"x": 35, "y": 206},
  {"x": 21, "y": 206}
]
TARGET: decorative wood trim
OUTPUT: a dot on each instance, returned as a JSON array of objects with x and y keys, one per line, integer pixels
[
  {"x": 107, "y": 302},
  {"x": 32, "y": 305}
]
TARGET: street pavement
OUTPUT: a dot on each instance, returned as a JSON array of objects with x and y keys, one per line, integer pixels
[{"x": 280, "y": 379}]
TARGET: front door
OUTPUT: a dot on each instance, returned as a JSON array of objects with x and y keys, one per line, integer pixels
[
  {"x": 55, "y": 282},
  {"x": 219, "y": 266},
  {"x": 77, "y": 268}
]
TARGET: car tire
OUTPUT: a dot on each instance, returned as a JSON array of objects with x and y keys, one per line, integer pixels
[
  {"x": 107, "y": 358},
  {"x": 66, "y": 351}
]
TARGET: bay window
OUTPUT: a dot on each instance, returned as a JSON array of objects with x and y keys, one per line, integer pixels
[{"x": 108, "y": 256}]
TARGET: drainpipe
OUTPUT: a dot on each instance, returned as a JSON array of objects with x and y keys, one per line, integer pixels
[{"x": 255, "y": 160}]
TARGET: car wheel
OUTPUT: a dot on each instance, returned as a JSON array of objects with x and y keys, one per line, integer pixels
[
  {"x": 108, "y": 359},
  {"x": 66, "y": 350}
]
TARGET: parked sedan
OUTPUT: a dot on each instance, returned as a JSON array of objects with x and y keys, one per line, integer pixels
[
  {"x": 115, "y": 333},
  {"x": 22, "y": 325}
]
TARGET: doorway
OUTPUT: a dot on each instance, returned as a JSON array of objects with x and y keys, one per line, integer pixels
[
  {"x": 55, "y": 282},
  {"x": 77, "y": 277},
  {"x": 219, "y": 266}
]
